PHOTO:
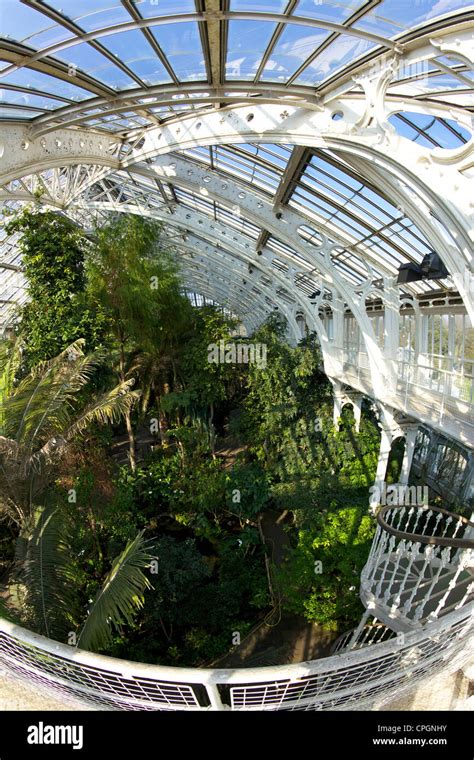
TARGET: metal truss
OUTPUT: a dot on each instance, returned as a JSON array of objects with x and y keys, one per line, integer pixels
[
  {"x": 294, "y": 181},
  {"x": 270, "y": 240}
]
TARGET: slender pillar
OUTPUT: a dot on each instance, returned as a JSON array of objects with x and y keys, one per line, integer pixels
[
  {"x": 391, "y": 327},
  {"x": 338, "y": 401},
  {"x": 357, "y": 407},
  {"x": 384, "y": 453},
  {"x": 410, "y": 438}
]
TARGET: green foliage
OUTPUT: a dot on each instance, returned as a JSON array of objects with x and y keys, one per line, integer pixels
[
  {"x": 44, "y": 554},
  {"x": 41, "y": 415},
  {"x": 119, "y": 599},
  {"x": 320, "y": 475},
  {"x": 282, "y": 403},
  {"x": 56, "y": 314},
  {"x": 247, "y": 489},
  {"x": 340, "y": 540},
  {"x": 207, "y": 383},
  {"x": 197, "y": 603},
  {"x": 134, "y": 277},
  {"x": 197, "y": 504}
]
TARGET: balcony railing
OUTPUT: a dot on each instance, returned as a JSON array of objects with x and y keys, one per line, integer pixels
[
  {"x": 420, "y": 567},
  {"x": 347, "y": 681}
]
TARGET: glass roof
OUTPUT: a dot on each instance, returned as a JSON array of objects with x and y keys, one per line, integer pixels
[
  {"x": 108, "y": 46},
  {"x": 66, "y": 63}
]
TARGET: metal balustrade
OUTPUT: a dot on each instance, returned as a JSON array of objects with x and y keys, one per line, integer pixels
[
  {"x": 439, "y": 391},
  {"x": 371, "y": 633},
  {"x": 349, "y": 681},
  {"x": 444, "y": 375},
  {"x": 421, "y": 566},
  {"x": 418, "y": 581}
]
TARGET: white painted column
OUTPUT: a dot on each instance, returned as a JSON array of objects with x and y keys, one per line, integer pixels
[
  {"x": 384, "y": 452},
  {"x": 357, "y": 407},
  {"x": 391, "y": 327},
  {"x": 410, "y": 438},
  {"x": 337, "y": 344},
  {"x": 337, "y": 398}
]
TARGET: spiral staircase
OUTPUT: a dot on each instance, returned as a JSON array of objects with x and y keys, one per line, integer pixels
[{"x": 418, "y": 590}]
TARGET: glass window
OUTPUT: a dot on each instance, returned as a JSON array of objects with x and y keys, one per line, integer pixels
[
  {"x": 248, "y": 41},
  {"x": 92, "y": 14},
  {"x": 259, "y": 6},
  {"x": 422, "y": 447},
  {"x": 19, "y": 22},
  {"x": 52, "y": 36},
  {"x": 394, "y": 16},
  {"x": 336, "y": 11},
  {"x": 36, "y": 80},
  {"x": 152, "y": 8},
  {"x": 18, "y": 98},
  {"x": 93, "y": 63},
  {"x": 133, "y": 49},
  {"x": 15, "y": 112},
  {"x": 345, "y": 49},
  {"x": 430, "y": 130},
  {"x": 294, "y": 46},
  {"x": 182, "y": 46}
]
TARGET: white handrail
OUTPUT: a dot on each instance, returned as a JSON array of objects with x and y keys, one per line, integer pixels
[{"x": 343, "y": 680}]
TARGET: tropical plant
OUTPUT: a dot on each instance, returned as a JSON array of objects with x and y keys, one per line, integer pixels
[
  {"x": 53, "y": 250},
  {"x": 321, "y": 573},
  {"x": 52, "y": 587},
  {"x": 134, "y": 278},
  {"x": 42, "y": 414},
  {"x": 45, "y": 572},
  {"x": 121, "y": 596}
]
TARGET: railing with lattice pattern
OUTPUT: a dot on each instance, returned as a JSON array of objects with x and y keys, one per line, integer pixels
[
  {"x": 420, "y": 567},
  {"x": 352, "y": 680}
]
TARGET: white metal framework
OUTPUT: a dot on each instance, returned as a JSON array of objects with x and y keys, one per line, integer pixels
[{"x": 298, "y": 154}]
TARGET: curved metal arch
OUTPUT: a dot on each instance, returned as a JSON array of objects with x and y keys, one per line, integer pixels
[
  {"x": 341, "y": 81},
  {"x": 214, "y": 288},
  {"x": 181, "y": 175},
  {"x": 205, "y": 279},
  {"x": 259, "y": 210},
  {"x": 145, "y": 172},
  {"x": 300, "y": 127},
  {"x": 218, "y": 256},
  {"x": 207, "y": 263},
  {"x": 243, "y": 124},
  {"x": 437, "y": 233},
  {"x": 235, "y": 277},
  {"x": 222, "y": 297},
  {"x": 235, "y": 254},
  {"x": 231, "y": 279}
]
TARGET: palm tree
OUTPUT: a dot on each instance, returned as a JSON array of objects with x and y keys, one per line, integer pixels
[
  {"x": 42, "y": 414},
  {"x": 51, "y": 591},
  {"x": 134, "y": 277}
]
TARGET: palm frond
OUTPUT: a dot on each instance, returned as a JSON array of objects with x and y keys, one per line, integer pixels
[
  {"x": 10, "y": 361},
  {"x": 120, "y": 597},
  {"x": 45, "y": 571},
  {"x": 106, "y": 409},
  {"x": 42, "y": 404},
  {"x": 28, "y": 400}
]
